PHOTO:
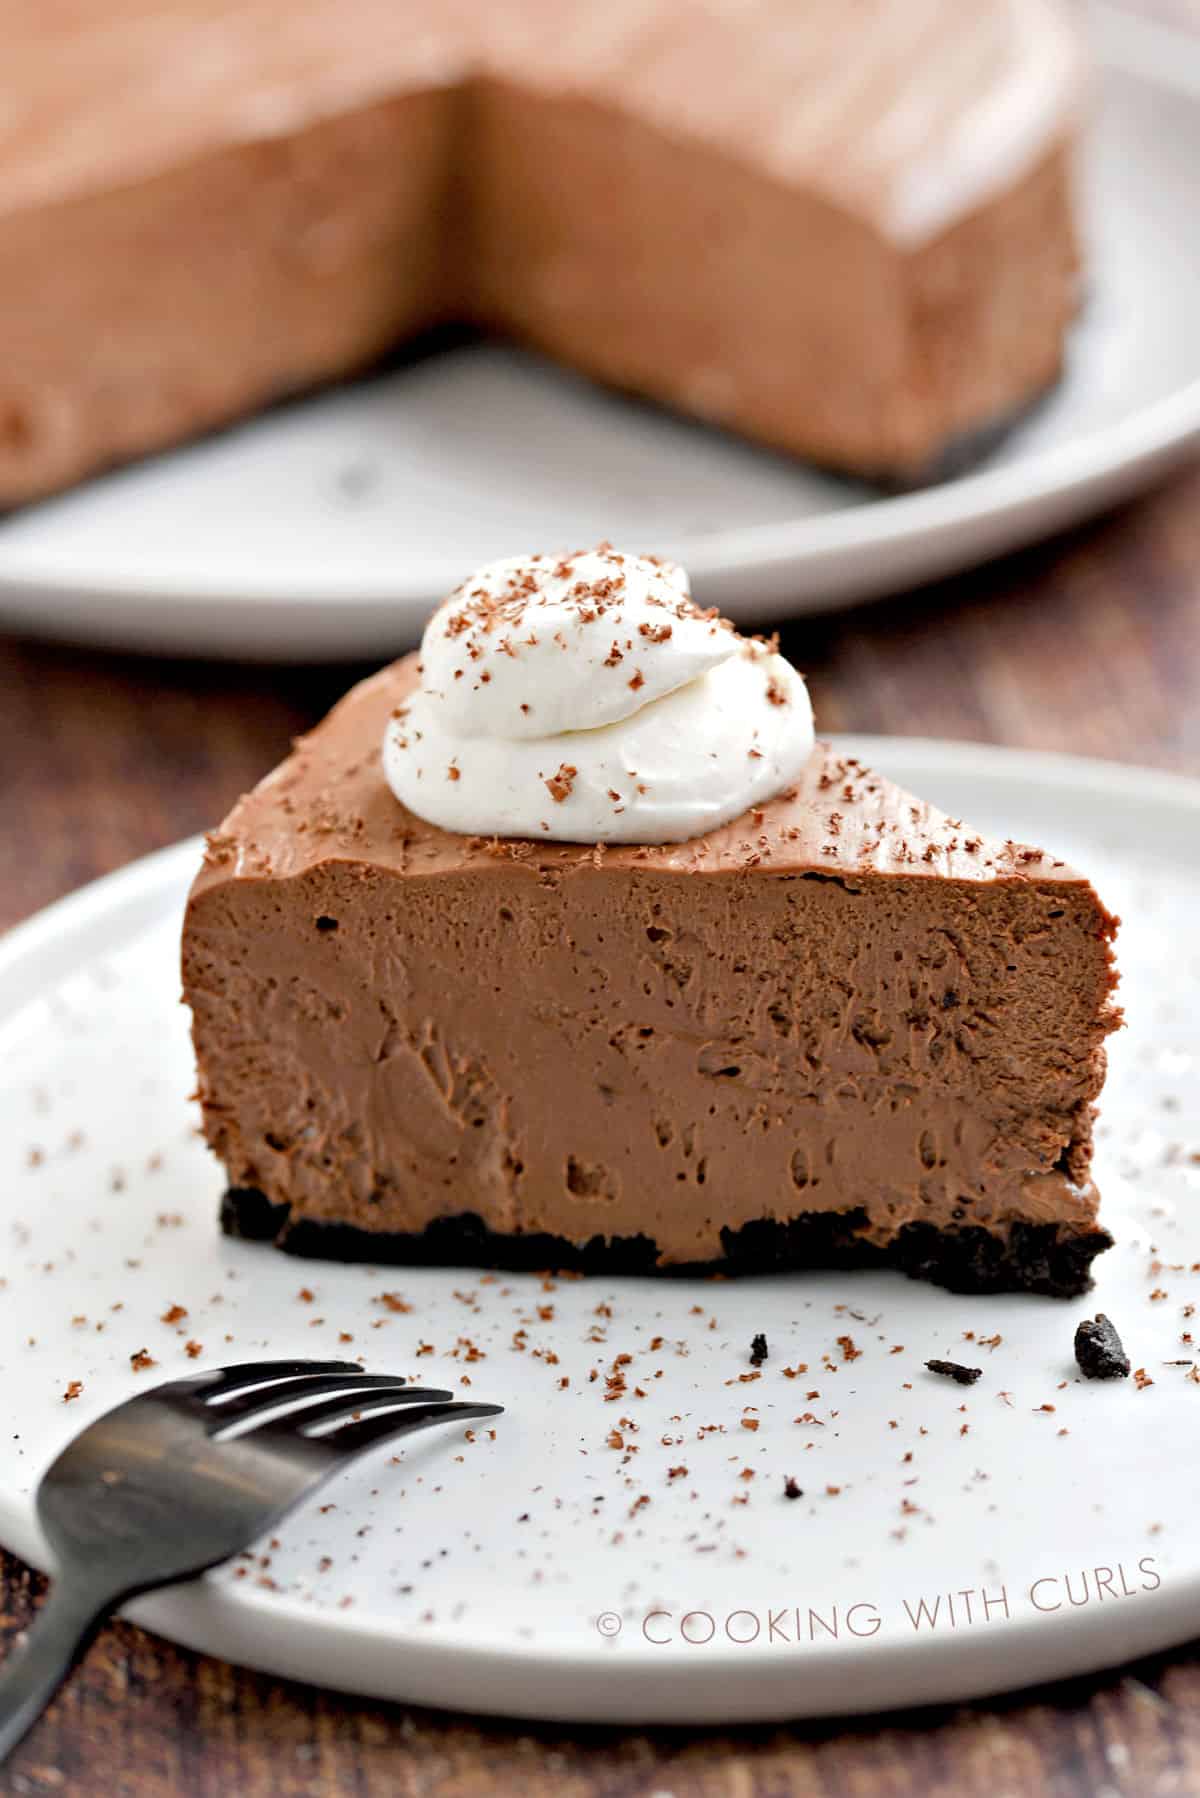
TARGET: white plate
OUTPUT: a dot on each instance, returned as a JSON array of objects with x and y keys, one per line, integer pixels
[
  {"x": 329, "y": 527},
  {"x": 483, "y": 1574}
]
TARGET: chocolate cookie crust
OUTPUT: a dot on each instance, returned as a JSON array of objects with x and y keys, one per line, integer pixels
[{"x": 1043, "y": 1258}]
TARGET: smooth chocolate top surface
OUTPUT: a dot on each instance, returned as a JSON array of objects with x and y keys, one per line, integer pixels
[
  {"x": 329, "y": 802},
  {"x": 913, "y": 110}
]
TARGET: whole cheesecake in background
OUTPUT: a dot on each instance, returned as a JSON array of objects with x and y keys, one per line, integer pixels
[
  {"x": 669, "y": 984},
  {"x": 843, "y": 228}
]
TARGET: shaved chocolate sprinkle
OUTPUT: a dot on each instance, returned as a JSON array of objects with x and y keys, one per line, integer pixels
[
  {"x": 559, "y": 785},
  {"x": 758, "y": 1350}
]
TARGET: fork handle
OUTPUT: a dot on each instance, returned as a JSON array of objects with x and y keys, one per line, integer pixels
[{"x": 57, "y": 1637}]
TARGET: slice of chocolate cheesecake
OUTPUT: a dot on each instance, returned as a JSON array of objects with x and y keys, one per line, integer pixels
[{"x": 839, "y": 1027}]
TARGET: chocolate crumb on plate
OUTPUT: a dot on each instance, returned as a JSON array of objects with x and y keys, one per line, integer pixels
[
  {"x": 1099, "y": 1350},
  {"x": 790, "y": 1488},
  {"x": 954, "y": 1370},
  {"x": 758, "y": 1350}
]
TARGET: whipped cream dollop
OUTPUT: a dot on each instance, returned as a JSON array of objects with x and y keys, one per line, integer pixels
[{"x": 585, "y": 698}]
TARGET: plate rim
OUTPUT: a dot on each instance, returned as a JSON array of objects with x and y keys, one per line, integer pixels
[
  {"x": 358, "y": 1652},
  {"x": 1152, "y": 440}
]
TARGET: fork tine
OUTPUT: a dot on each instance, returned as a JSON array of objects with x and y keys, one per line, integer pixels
[
  {"x": 346, "y": 1403},
  {"x": 221, "y": 1380},
  {"x": 297, "y": 1392},
  {"x": 399, "y": 1418},
  {"x": 352, "y": 1438}
]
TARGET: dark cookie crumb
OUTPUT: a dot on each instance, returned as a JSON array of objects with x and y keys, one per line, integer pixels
[
  {"x": 758, "y": 1350},
  {"x": 1099, "y": 1350},
  {"x": 954, "y": 1370},
  {"x": 790, "y": 1488}
]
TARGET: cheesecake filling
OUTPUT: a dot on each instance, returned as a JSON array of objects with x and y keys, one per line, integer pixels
[
  {"x": 586, "y": 699},
  {"x": 616, "y": 963}
]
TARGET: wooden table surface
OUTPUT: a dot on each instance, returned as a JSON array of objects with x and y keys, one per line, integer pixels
[{"x": 1090, "y": 644}]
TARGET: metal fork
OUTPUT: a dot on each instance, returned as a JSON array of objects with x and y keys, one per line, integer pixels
[{"x": 157, "y": 1491}]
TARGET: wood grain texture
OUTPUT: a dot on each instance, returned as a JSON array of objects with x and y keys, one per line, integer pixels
[{"x": 1092, "y": 645}]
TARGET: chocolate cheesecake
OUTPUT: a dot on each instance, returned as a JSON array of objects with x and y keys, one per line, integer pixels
[
  {"x": 846, "y": 231},
  {"x": 835, "y": 1026}
]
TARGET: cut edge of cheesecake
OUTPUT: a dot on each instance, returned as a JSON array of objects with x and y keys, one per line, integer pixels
[{"x": 961, "y": 1163}]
